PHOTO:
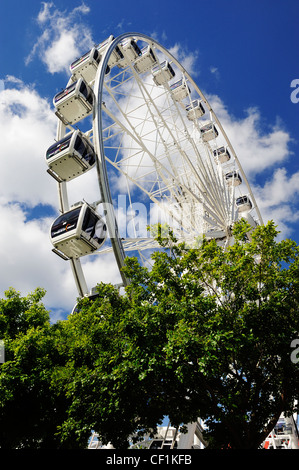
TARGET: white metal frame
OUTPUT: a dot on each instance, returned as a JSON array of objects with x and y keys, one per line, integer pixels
[{"x": 176, "y": 169}]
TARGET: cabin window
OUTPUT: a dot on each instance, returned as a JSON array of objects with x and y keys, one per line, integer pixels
[
  {"x": 85, "y": 150},
  {"x": 65, "y": 222},
  {"x": 89, "y": 156},
  {"x": 66, "y": 91},
  {"x": 118, "y": 51},
  {"x": 89, "y": 222},
  {"x": 58, "y": 147},
  {"x": 242, "y": 200},
  {"x": 80, "y": 146},
  {"x": 96, "y": 55},
  {"x": 83, "y": 89},
  {"x": 93, "y": 226},
  {"x": 81, "y": 59}
]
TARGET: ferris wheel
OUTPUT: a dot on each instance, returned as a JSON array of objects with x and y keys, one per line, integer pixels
[{"x": 153, "y": 139}]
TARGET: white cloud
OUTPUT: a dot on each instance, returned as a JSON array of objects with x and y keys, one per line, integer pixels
[
  {"x": 261, "y": 148},
  {"x": 26, "y": 258},
  {"x": 282, "y": 187},
  {"x": 256, "y": 148},
  {"x": 187, "y": 60},
  {"x": 64, "y": 37},
  {"x": 28, "y": 126},
  {"x": 45, "y": 13},
  {"x": 215, "y": 72},
  {"x": 278, "y": 200},
  {"x": 28, "y": 262},
  {"x": 61, "y": 53}
]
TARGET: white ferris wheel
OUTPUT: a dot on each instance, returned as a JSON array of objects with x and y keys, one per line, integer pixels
[{"x": 149, "y": 134}]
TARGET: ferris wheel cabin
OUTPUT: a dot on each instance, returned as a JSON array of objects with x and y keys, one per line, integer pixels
[
  {"x": 145, "y": 61},
  {"x": 243, "y": 204},
  {"x": 78, "y": 232},
  {"x": 180, "y": 90},
  {"x": 222, "y": 154},
  {"x": 116, "y": 54},
  {"x": 209, "y": 132},
  {"x": 70, "y": 157},
  {"x": 195, "y": 110},
  {"x": 233, "y": 178},
  {"x": 91, "y": 297},
  {"x": 162, "y": 73},
  {"x": 74, "y": 103},
  {"x": 130, "y": 51},
  {"x": 86, "y": 66}
]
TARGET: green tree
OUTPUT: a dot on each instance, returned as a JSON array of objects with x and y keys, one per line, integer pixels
[
  {"x": 30, "y": 408},
  {"x": 205, "y": 333}
]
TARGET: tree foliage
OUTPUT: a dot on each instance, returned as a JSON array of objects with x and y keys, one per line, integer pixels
[
  {"x": 29, "y": 407},
  {"x": 205, "y": 333}
]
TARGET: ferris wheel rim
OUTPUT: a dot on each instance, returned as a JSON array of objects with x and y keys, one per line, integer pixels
[
  {"x": 98, "y": 88},
  {"x": 101, "y": 163},
  {"x": 199, "y": 91}
]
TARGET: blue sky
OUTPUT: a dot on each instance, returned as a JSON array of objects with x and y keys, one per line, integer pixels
[{"x": 243, "y": 55}]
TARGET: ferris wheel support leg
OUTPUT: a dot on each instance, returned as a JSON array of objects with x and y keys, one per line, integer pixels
[
  {"x": 62, "y": 197},
  {"x": 79, "y": 277}
]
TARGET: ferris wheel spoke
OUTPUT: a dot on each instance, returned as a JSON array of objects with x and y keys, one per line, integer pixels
[
  {"x": 186, "y": 160},
  {"x": 160, "y": 169},
  {"x": 185, "y": 157}
]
